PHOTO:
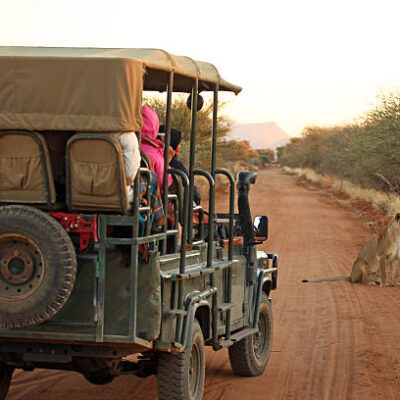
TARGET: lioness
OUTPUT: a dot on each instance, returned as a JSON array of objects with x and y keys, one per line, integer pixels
[{"x": 380, "y": 251}]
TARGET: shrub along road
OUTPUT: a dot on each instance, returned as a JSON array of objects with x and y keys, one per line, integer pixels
[{"x": 333, "y": 340}]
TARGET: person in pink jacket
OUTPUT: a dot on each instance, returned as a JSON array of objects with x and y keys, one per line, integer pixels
[{"x": 152, "y": 146}]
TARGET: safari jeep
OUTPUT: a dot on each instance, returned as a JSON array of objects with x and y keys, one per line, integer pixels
[{"x": 83, "y": 282}]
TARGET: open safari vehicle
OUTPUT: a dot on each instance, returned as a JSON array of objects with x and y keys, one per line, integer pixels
[{"x": 83, "y": 281}]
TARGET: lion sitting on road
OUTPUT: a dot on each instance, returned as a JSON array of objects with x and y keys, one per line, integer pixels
[{"x": 381, "y": 251}]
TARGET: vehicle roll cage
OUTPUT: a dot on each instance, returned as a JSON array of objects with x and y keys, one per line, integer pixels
[
  {"x": 167, "y": 74},
  {"x": 187, "y": 222}
]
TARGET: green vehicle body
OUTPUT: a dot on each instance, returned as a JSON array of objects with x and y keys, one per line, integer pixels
[{"x": 122, "y": 304}]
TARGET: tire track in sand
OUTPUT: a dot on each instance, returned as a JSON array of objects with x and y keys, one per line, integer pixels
[{"x": 332, "y": 340}]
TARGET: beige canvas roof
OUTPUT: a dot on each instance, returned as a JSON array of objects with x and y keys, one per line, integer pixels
[{"x": 90, "y": 89}]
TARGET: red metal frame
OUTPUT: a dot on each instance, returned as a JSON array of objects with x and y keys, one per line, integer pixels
[{"x": 76, "y": 223}]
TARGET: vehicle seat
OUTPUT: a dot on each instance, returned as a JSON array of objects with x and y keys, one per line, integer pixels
[
  {"x": 145, "y": 161},
  {"x": 95, "y": 175},
  {"x": 25, "y": 170}
]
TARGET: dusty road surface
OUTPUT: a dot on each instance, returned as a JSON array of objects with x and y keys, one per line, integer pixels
[{"x": 332, "y": 340}]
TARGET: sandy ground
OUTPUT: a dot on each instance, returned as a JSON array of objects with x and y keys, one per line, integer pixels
[{"x": 332, "y": 340}]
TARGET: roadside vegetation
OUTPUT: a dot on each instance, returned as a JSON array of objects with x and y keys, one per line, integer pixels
[
  {"x": 386, "y": 202},
  {"x": 363, "y": 157}
]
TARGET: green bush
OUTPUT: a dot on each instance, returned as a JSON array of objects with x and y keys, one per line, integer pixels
[{"x": 366, "y": 153}]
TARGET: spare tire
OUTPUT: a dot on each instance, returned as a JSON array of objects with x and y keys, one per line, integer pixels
[{"x": 37, "y": 266}]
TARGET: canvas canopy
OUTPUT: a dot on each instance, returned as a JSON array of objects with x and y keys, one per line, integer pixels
[{"x": 90, "y": 89}]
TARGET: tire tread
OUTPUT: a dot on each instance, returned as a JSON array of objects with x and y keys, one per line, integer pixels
[
  {"x": 241, "y": 354},
  {"x": 172, "y": 370},
  {"x": 67, "y": 265}
]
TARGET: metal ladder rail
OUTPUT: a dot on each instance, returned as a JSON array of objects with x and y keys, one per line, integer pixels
[
  {"x": 230, "y": 248},
  {"x": 134, "y": 241},
  {"x": 179, "y": 311},
  {"x": 210, "y": 247}
]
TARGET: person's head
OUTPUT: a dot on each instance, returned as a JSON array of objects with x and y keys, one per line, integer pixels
[
  {"x": 176, "y": 136},
  {"x": 150, "y": 122}
]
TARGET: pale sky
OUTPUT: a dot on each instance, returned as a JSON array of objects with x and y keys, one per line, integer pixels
[{"x": 300, "y": 62}]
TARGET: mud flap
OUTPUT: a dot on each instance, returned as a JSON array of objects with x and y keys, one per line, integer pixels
[{"x": 149, "y": 298}]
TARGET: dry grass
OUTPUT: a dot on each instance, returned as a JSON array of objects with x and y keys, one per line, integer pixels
[{"x": 388, "y": 203}]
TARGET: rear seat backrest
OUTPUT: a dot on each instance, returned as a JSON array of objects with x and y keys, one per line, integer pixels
[
  {"x": 25, "y": 169},
  {"x": 95, "y": 174}
]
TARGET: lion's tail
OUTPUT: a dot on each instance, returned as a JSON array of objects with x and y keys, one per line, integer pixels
[{"x": 334, "y": 279}]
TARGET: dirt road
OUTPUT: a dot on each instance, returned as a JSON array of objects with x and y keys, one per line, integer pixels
[{"x": 332, "y": 340}]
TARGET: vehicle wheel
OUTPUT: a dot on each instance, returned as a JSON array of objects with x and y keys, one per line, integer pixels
[
  {"x": 250, "y": 356},
  {"x": 181, "y": 376},
  {"x": 37, "y": 266},
  {"x": 5, "y": 380}
]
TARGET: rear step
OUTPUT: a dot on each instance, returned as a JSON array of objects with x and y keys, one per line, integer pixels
[
  {"x": 236, "y": 337},
  {"x": 225, "y": 307}
]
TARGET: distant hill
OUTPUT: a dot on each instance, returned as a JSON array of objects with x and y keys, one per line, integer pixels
[{"x": 261, "y": 136}]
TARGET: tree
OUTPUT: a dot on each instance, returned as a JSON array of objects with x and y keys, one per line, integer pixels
[
  {"x": 366, "y": 153},
  {"x": 229, "y": 152}
]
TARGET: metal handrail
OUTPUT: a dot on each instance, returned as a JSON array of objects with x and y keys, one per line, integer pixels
[
  {"x": 192, "y": 154},
  {"x": 230, "y": 248},
  {"x": 182, "y": 261},
  {"x": 210, "y": 247},
  {"x": 170, "y": 87}
]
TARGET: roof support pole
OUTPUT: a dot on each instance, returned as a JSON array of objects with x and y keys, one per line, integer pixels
[
  {"x": 167, "y": 142},
  {"x": 214, "y": 130},
  {"x": 192, "y": 159}
]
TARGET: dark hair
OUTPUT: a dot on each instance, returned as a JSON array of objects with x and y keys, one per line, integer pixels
[{"x": 176, "y": 136}]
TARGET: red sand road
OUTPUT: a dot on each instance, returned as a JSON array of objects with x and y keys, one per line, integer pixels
[{"x": 332, "y": 340}]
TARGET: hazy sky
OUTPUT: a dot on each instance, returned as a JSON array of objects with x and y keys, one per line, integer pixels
[{"x": 299, "y": 62}]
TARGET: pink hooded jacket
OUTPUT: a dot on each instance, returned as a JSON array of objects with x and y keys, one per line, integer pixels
[{"x": 152, "y": 146}]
